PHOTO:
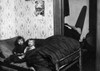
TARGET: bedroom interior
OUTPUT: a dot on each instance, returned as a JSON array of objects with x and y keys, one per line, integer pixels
[{"x": 24, "y": 18}]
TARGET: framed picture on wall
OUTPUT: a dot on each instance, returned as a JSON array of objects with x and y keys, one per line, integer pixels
[{"x": 39, "y": 7}]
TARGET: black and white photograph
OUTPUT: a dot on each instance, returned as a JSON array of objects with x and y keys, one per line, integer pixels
[{"x": 49, "y": 35}]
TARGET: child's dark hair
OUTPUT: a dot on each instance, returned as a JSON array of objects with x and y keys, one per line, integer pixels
[{"x": 18, "y": 38}]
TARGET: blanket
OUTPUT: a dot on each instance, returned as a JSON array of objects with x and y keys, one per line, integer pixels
[{"x": 55, "y": 48}]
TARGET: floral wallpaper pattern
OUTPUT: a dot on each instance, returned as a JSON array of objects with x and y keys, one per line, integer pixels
[{"x": 30, "y": 19}]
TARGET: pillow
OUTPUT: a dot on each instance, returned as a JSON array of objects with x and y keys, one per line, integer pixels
[
  {"x": 5, "y": 50},
  {"x": 6, "y": 46}
]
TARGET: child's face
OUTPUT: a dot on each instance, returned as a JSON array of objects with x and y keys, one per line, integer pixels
[
  {"x": 20, "y": 41},
  {"x": 31, "y": 43}
]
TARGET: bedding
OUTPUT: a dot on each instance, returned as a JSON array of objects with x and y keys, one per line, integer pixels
[
  {"x": 6, "y": 46},
  {"x": 50, "y": 51},
  {"x": 55, "y": 48},
  {"x": 59, "y": 47}
]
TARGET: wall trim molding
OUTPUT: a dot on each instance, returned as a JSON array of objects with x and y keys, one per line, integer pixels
[{"x": 58, "y": 11}]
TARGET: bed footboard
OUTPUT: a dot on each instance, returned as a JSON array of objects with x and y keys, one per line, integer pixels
[{"x": 77, "y": 59}]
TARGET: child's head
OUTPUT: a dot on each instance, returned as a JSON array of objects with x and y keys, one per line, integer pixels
[
  {"x": 20, "y": 40},
  {"x": 30, "y": 42}
]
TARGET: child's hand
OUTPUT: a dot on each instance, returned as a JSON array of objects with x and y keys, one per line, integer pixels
[
  {"x": 21, "y": 57},
  {"x": 32, "y": 68}
]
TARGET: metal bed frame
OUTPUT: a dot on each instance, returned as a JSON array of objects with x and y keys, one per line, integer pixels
[{"x": 66, "y": 66}]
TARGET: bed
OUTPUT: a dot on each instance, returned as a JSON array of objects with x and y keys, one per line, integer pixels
[
  {"x": 58, "y": 51},
  {"x": 62, "y": 52}
]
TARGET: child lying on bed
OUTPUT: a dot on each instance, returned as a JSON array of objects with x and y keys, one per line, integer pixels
[
  {"x": 20, "y": 50},
  {"x": 21, "y": 47},
  {"x": 17, "y": 51},
  {"x": 30, "y": 45}
]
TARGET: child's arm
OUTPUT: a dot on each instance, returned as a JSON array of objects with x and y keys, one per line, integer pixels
[{"x": 33, "y": 47}]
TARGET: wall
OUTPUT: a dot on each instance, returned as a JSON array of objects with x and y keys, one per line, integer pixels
[
  {"x": 20, "y": 17},
  {"x": 7, "y": 27},
  {"x": 75, "y": 8}
]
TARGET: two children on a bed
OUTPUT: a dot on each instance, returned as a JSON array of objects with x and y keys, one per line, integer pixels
[
  {"x": 24, "y": 47},
  {"x": 20, "y": 50}
]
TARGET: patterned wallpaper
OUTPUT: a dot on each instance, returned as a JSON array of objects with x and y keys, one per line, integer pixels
[{"x": 30, "y": 19}]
